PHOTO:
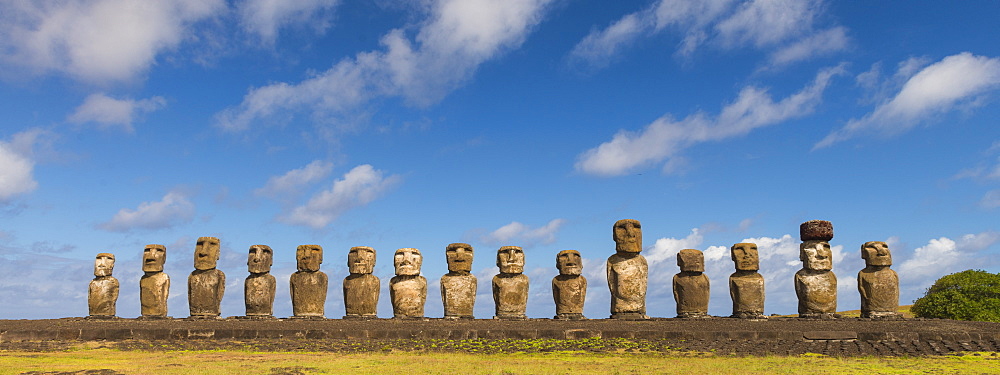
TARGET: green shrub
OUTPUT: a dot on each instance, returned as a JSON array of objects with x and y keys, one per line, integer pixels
[{"x": 966, "y": 295}]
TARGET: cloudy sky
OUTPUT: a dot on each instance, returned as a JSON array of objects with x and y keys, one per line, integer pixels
[{"x": 536, "y": 123}]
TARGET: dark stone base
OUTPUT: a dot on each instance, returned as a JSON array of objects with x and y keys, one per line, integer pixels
[
  {"x": 748, "y": 315},
  {"x": 361, "y": 317},
  {"x": 570, "y": 316},
  {"x": 203, "y": 317},
  {"x": 307, "y": 317},
  {"x": 102, "y": 317},
  {"x": 879, "y": 315},
  {"x": 511, "y": 317},
  {"x": 693, "y": 315},
  {"x": 629, "y": 316},
  {"x": 820, "y": 316},
  {"x": 254, "y": 317},
  {"x": 155, "y": 317},
  {"x": 404, "y": 317},
  {"x": 459, "y": 317}
]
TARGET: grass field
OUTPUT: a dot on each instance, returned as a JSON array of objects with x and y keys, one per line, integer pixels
[{"x": 93, "y": 361}]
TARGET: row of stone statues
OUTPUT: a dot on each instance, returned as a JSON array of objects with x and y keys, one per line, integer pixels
[{"x": 627, "y": 274}]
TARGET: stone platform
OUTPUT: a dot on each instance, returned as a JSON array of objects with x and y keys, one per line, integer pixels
[{"x": 769, "y": 336}]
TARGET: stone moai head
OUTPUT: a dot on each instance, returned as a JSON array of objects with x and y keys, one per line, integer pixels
[
  {"x": 308, "y": 257},
  {"x": 816, "y": 255},
  {"x": 691, "y": 260},
  {"x": 361, "y": 259},
  {"x": 876, "y": 253},
  {"x": 745, "y": 256},
  {"x": 459, "y": 256},
  {"x": 153, "y": 258},
  {"x": 510, "y": 259},
  {"x": 569, "y": 263},
  {"x": 408, "y": 261},
  {"x": 104, "y": 264},
  {"x": 260, "y": 259},
  {"x": 628, "y": 236},
  {"x": 206, "y": 253}
]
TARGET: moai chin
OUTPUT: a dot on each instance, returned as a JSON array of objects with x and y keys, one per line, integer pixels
[
  {"x": 103, "y": 295},
  {"x": 746, "y": 285},
  {"x": 154, "y": 286},
  {"x": 510, "y": 287},
  {"x": 569, "y": 288},
  {"x": 259, "y": 287},
  {"x": 628, "y": 272},
  {"x": 361, "y": 288},
  {"x": 206, "y": 284},
  {"x": 408, "y": 290},
  {"x": 458, "y": 286},
  {"x": 815, "y": 284},
  {"x": 691, "y": 287},
  {"x": 308, "y": 284},
  {"x": 878, "y": 285}
]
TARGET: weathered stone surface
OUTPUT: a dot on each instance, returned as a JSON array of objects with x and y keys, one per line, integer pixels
[
  {"x": 878, "y": 285},
  {"x": 691, "y": 286},
  {"x": 361, "y": 288},
  {"x": 746, "y": 285},
  {"x": 308, "y": 285},
  {"x": 206, "y": 284},
  {"x": 408, "y": 290},
  {"x": 154, "y": 286},
  {"x": 815, "y": 284},
  {"x": 103, "y": 293},
  {"x": 458, "y": 286},
  {"x": 627, "y": 272},
  {"x": 510, "y": 287},
  {"x": 569, "y": 288},
  {"x": 259, "y": 287},
  {"x": 816, "y": 230}
]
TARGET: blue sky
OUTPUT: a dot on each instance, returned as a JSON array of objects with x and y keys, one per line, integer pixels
[{"x": 536, "y": 123}]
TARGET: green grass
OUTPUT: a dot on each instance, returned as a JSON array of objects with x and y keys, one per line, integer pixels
[{"x": 247, "y": 362}]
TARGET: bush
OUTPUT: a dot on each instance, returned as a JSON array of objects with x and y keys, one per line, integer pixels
[{"x": 966, "y": 295}]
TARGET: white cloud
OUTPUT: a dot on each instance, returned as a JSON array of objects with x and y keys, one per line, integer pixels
[
  {"x": 17, "y": 163},
  {"x": 825, "y": 42},
  {"x": 357, "y": 188},
  {"x": 936, "y": 89},
  {"x": 96, "y": 40},
  {"x": 108, "y": 112},
  {"x": 785, "y": 26},
  {"x": 265, "y": 18},
  {"x": 173, "y": 209},
  {"x": 943, "y": 255},
  {"x": 991, "y": 199},
  {"x": 666, "y": 137},
  {"x": 458, "y": 36},
  {"x": 519, "y": 234},
  {"x": 292, "y": 181}
]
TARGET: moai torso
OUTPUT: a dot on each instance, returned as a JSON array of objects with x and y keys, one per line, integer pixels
[
  {"x": 746, "y": 285},
  {"x": 691, "y": 294},
  {"x": 628, "y": 272},
  {"x": 154, "y": 288},
  {"x": 308, "y": 285},
  {"x": 103, "y": 292},
  {"x": 408, "y": 294},
  {"x": 747, "y": 291},
  {"x": 103, "y": 296},
  {"x": 817, "y": 292},
  {"x": 308, "y": 290},
  {"x": 258, "y": 294},
  {"x": 878, "y": 285},
  {"x": 458, "y": 293},
  {"x": 569, "y": 293},
  {"x": 510, "y": 293},
  {"x": 205, "y": 290},
  {"x": 458, "y": 286},
  {"x": 361, "y": 295}
]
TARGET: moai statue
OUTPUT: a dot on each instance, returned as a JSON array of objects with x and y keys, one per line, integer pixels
[
  {"x": 206, "y": 283},
  {"x": 691, "y": 289},
  {"x": 458, "y": 286},
  {"x": 154, "y": 286},
  {"x": 361, "y": 288},
  {"x": 628, "y": 272},
  {"x": 569, "y": 288},
  {"x": 879, "y": 285},
  {"x": 408, "y": 290},
  {"x": 308, "y": 284},
  {"x": 259, "y": 287},
  {"x": 510, "y": 287},
  {"x": 815, "y": 284},
  {"x": 103, "y": 294},
  {"x": 746, "y": 285}
]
